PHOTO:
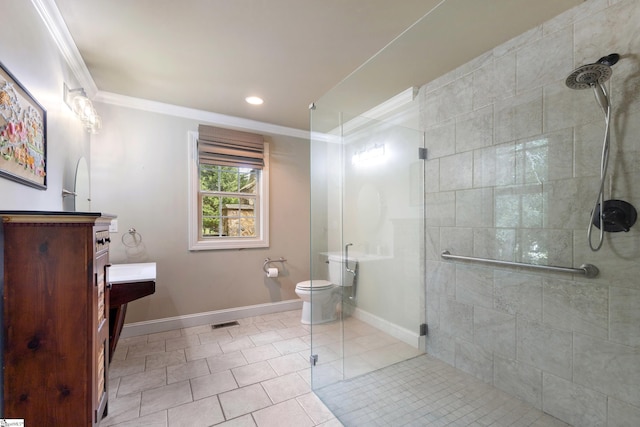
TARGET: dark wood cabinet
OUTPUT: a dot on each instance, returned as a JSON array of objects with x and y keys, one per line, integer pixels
[{"x": 55, "y": 320}]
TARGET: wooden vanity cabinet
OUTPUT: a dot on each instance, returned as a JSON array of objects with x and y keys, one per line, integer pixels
[{"x": 55, "y": 320}]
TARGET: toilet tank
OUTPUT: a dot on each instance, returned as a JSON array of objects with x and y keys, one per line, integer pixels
[{"x": 338, "y": 270}]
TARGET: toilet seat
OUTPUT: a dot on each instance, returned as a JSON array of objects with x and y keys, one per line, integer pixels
[{"x": 314, "y": 285}]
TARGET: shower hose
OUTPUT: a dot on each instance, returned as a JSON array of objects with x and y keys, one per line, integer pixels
[{"x": 597, "y": 212}]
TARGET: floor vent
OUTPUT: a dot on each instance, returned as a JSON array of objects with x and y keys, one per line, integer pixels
[{"x": 225, "y": 325}]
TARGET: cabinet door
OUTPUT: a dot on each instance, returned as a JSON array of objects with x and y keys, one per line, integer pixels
[{"x": 101, "y": 341}]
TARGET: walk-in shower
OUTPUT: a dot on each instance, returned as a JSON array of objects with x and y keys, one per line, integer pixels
[{"x": 607, "y": 215}]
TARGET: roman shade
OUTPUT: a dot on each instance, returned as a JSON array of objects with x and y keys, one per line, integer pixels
[{"x": 226, "y": 147}]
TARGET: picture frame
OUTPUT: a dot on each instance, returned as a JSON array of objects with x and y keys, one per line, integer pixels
[{"x": 23, "y": 134}]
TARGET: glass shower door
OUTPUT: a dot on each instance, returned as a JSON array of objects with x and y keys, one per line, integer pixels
[{"x": 367, "y": 200}]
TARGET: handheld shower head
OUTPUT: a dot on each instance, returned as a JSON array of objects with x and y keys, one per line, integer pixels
[{"x": 588, "y": 76}]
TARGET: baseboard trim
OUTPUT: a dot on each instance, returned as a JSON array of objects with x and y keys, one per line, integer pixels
[
  {"x": 405, "y": 335},
  {"x": 210, "y": 317}
]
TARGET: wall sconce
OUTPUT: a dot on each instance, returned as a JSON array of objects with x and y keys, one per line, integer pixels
[
  {"x": 368, "y": 155},
  {"x": 77, "y": 100}
]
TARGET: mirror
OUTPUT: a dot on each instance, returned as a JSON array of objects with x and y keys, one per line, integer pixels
[{"x": 82, "y": 187}]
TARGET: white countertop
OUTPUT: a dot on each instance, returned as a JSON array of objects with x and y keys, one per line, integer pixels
[{"x": 137, "y": 272}]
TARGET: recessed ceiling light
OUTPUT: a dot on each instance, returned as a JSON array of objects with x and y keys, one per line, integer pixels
[{"x": 254, "y": 100}]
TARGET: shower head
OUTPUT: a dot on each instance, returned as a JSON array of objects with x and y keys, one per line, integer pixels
[{"x": 590, "y": 75}]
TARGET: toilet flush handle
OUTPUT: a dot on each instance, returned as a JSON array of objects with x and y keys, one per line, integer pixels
[{"x": 346, "y": 261}]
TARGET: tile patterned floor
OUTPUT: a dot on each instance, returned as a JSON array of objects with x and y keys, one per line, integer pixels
[
  {"x": 257, "y": 374},
  {"x": 253, "y": 374}
]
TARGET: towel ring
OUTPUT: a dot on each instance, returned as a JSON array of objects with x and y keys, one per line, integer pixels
[{"x": 132, "y": 238}]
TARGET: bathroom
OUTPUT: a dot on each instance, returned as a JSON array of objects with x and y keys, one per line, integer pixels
[{"x": 480, "y": 333}]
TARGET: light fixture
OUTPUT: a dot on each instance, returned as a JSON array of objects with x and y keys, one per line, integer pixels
[
  {"x": 254, "y": 100},
  {"x": 81, "y": 105}
]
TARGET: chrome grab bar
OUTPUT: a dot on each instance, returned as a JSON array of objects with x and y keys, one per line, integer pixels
[{"x": 589, "y": 270}]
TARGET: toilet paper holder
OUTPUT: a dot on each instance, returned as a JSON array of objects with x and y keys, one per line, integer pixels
[{"x": 267, "y": 261}]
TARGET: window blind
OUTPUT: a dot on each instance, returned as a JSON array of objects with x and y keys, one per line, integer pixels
[{"x": 226, "y": 147}]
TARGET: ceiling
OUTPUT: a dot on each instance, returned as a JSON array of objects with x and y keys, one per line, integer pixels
[{"x": 211, "y": 54}]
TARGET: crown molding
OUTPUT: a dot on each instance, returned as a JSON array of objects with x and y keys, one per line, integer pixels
[
  {"x": 199, "y": 115},
  {"x": 54, "y": 22},
  {"x": 52, "y": 18}
]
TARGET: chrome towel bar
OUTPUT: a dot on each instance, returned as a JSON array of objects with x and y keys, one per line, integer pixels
[{"x": 589, "y": 270}]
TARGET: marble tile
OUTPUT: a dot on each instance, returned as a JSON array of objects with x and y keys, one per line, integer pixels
[
  {"x": 545, "y": 247},
  {"x": 266, "y": 337},
  {"x": 432, "y": 176},
  {"x": 201, "y": 413},
  {"x": 243, "y": 421},
  {"x": 243, "y": 400},
  {"x": 162, "y": 360},
  {"x": 474, "y": 285},
  {"x": 258, "y": 354},
  {"x": 440, "y": 139},
  {"x": 202, "y": 351},
  {"x": 495, "y": 243},
  {"x": 519, "y": 379},
  {"x": 166, "y": 397},
  {"x": 122, "y": 409},
  {"x": 573, "y": 403},
  {"x": 545, "y": 60},
  {"x": 158, "y": 419},
  {"x": 288, "y": 413},
  {"x": 495, "y": 331},
  {"x": 494, "y": 166},
  {"x": 474, "y": 130},
  {"x": 143, "y": 381},
  {"x": 456, "y": 172},
  {"x": 129, "y": 366},
  {"x": 456, "y": 240},
  {"x": 226, "y": 361},
  {"x": 494, "y": 80},
  {"x": 213, "y": 384},
  {"x": 607, "y": 367},
  {"x": 185, "y": 371},
  {"x": 456, "y": 319},
  {"x": 544, "y": 347},
  {"x": 576, "y": 306},
  {"x": 253, "y": 373},
  {"x": 518, "y": 294},
  {"x": 518, "y": 117},
  {"x": 285, "y": 387},
  {"x": 441, "y": 208},
  {"x": 215, "y": 335},
  {"x": 236, "y": 345},
  {"x": 622, "y": 414},
  {"x": 482, "y": 215},
  {"x": 142, "y": 350},
  {"x": 624, "y": 316},
  {"x": 474, "y": 360},
  {"x": 315, "y": 409},
  {"x": 289, "y": 346},
  {"x": 182, "y": 342}
]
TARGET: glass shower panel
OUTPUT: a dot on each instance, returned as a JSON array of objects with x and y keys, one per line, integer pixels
[{"x": 367, "y": 201}]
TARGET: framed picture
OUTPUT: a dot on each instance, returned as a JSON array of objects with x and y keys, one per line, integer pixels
[{"x": 23, "y": 134}]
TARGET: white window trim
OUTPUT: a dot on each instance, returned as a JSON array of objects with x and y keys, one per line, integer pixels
[{"x": 195, "y": 243}]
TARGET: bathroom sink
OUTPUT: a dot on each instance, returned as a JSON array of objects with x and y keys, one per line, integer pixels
[{"x": 137, "y": 272}]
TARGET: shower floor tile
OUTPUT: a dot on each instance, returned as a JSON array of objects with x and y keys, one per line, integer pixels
[{"x": 424, "y": 391}]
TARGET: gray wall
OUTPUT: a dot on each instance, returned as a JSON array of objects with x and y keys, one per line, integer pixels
[
  {"x": 30, "y": 54},
  {"x": 513, "y": 175},
  {"x": 139, "y": 173}
]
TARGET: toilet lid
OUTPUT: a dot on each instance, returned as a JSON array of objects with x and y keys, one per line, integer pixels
[{"x": 317, "y": 285}]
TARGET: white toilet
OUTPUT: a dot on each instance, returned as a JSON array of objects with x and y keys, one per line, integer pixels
[{"x": 320, "y": 298}]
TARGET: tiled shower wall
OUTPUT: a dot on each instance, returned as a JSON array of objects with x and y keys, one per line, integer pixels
[{"x": 513, "y": 173}]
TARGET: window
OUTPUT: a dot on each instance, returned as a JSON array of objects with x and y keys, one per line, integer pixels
[{"x": 228, "y": 190}]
